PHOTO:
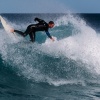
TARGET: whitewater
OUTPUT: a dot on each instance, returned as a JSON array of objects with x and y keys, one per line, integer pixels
[{"x": 66, "y": 69}]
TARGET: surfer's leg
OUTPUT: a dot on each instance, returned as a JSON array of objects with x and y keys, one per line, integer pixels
[
  {"x": 29, "y": 29},
  {"x": 20, "y": 32},
  {"x": 32, "y": 36}
]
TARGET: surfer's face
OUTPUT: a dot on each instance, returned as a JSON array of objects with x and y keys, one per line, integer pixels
[{"x": 51, "y": 25}]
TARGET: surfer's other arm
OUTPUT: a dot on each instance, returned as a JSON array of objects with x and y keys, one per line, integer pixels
[
  {"x": 48, "y": 34},
  {"x": 39, "y": 20}
]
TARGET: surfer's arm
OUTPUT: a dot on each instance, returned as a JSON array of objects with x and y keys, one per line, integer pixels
[
  {"x": 48, "y": 34},
  {"x": 39, "y": 20}
]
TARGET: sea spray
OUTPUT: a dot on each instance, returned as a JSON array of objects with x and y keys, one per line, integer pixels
[{"x": 73, "y": 56}]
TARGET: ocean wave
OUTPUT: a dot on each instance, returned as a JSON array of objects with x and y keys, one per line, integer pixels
[{"x": 68, "y": 58}]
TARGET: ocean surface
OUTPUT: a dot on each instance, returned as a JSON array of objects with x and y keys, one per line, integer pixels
[{"x": 66, "y": 69}]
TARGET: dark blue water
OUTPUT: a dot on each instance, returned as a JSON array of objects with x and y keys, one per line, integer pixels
[{"x": 67, "y": 69}]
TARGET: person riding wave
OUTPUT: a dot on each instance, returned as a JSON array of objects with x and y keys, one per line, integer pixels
[{"x": 33, "y": 28}]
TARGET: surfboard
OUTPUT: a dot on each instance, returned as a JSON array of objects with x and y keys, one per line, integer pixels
[{"x": 7, "y": 28}]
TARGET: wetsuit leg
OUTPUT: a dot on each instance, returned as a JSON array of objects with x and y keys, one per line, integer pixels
[
  {"x": 32, "y": 36},
  {"x": 19, "y": 32},
  {"x": 32, "y": 32},
  {"x": 28, "y": 30}
]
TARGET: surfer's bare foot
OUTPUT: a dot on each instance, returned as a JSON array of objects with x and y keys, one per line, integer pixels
[{"x": 12, "y": 30}]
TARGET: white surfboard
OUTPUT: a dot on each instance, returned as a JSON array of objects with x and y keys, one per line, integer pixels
[
  {"x": 5, "y": 25},
  {"x": 7, "y": 28}
]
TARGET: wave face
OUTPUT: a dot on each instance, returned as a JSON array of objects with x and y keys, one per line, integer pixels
[{"x": 70, "y": 66}]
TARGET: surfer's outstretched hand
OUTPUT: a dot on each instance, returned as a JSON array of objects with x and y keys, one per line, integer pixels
[{"x": 12, "y": 30}]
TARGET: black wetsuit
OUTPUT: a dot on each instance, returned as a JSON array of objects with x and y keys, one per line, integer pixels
[{"x": 33, "y": 28}]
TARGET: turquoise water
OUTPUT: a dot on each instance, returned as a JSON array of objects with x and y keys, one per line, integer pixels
[{"x": 67, "y": 69}]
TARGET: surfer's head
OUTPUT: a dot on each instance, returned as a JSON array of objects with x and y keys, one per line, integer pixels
[{"x": 51, "y": 24}]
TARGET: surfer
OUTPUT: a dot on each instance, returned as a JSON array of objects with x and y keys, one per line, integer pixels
[{"x": 33, "y": 28}]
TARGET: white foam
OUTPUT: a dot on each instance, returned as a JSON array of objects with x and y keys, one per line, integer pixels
[
  {"x": 83, "y": 45},
  {"x": 67, "y": 82}
]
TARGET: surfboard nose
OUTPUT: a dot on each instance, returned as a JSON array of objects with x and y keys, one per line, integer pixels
[{"x": 0, "y": 17}]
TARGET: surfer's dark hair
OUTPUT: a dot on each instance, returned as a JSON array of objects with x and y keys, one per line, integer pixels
[{"x": 51, "y": 22}]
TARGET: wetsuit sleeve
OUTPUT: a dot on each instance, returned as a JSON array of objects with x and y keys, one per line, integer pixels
[
  {"x": 39, "y": 20},
  {"x": 48, "y": 34}
]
